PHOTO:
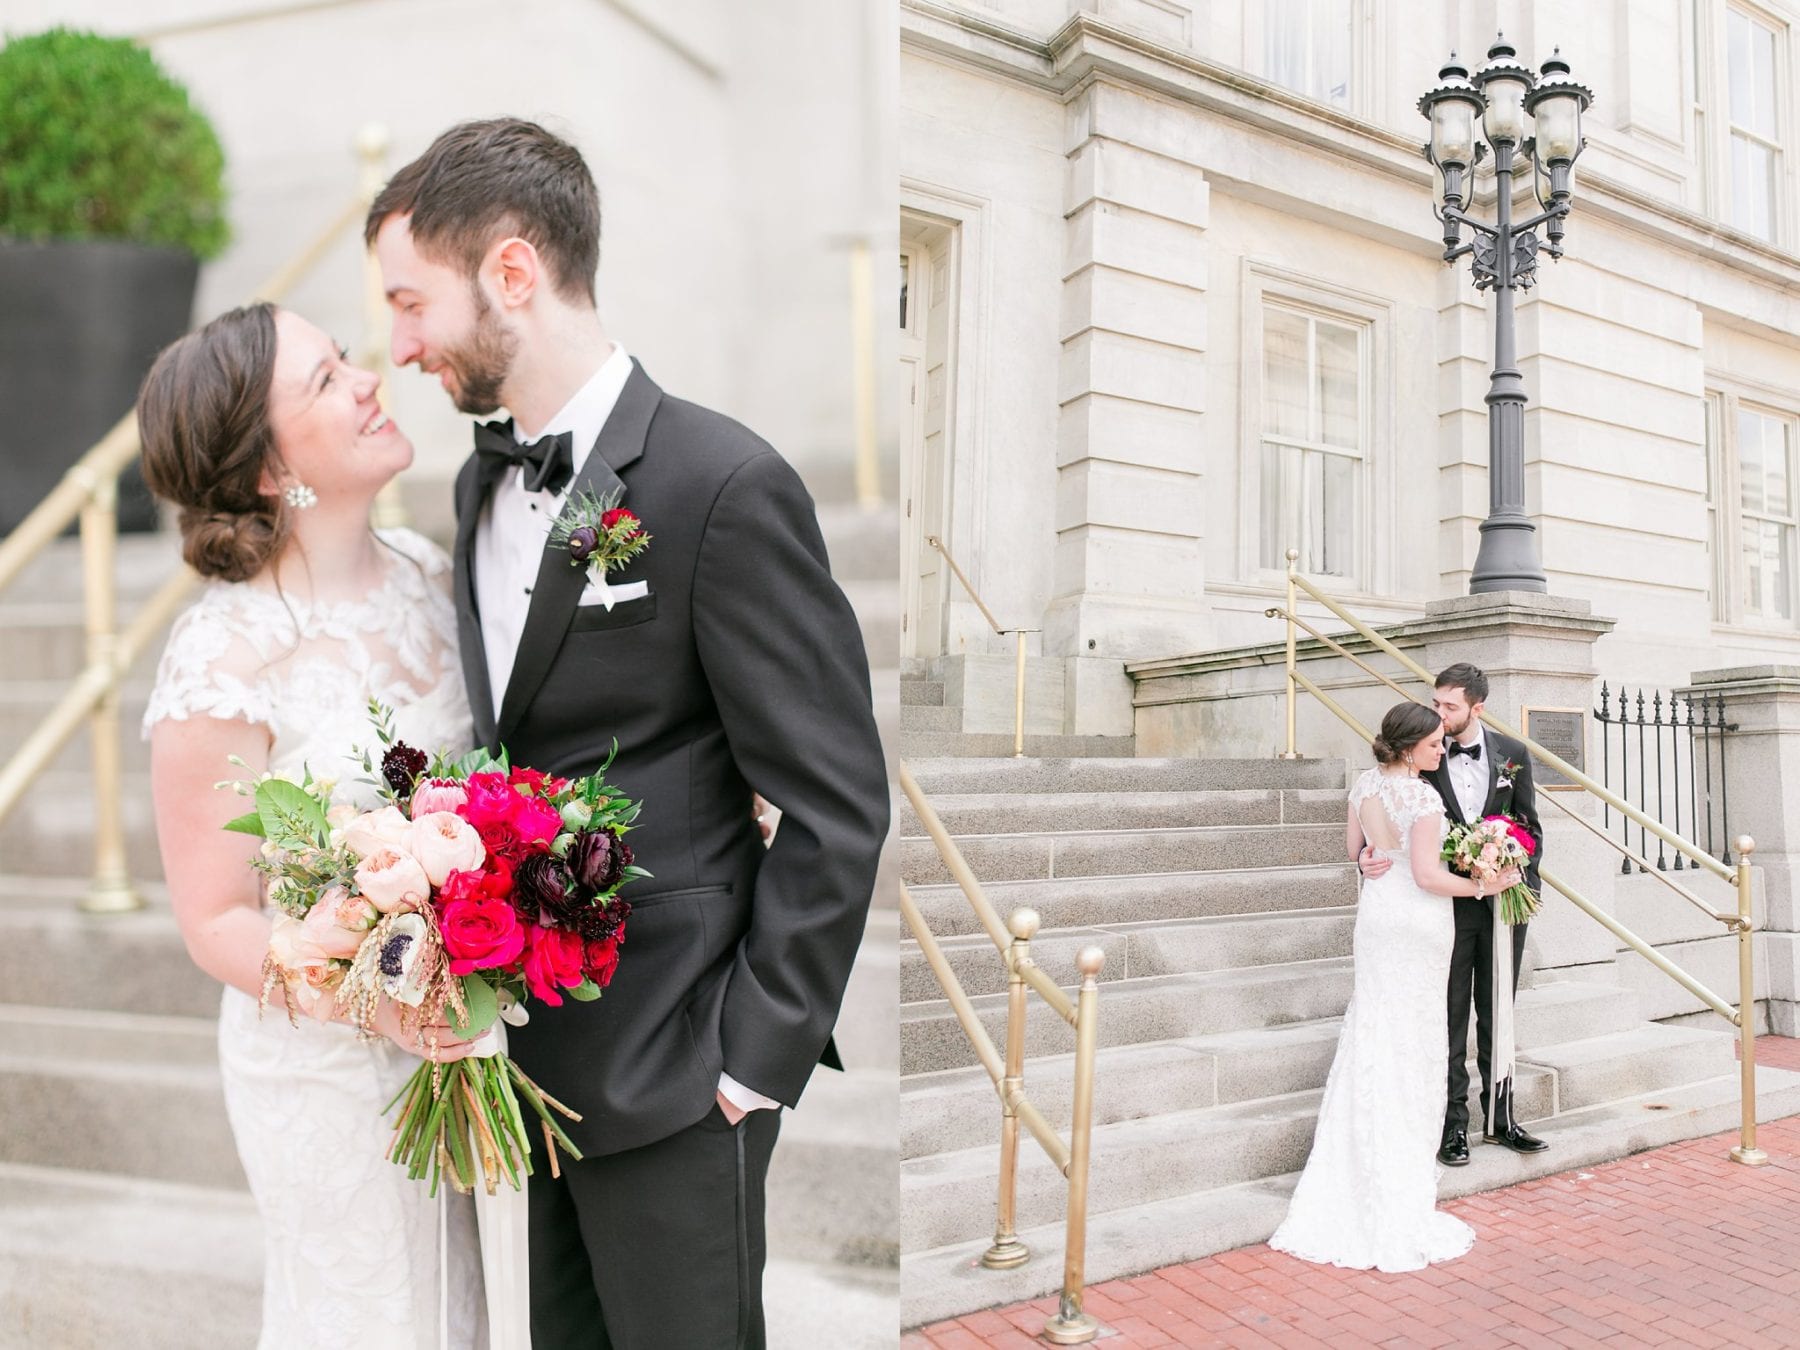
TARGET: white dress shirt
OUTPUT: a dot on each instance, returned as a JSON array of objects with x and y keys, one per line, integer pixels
[
  {"x": 509, "y": 546},
  {"x": 1469, "y": 776}
]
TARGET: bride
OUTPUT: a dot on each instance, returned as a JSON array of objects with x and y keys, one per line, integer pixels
[
  {"x": 273, "y": 447},
  {"x": 1368, "y": 1195}
]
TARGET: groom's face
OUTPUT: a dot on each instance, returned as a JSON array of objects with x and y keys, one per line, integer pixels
[
  {"x": 443, "y": 322},
  {"x": 1453, "y": 706}
]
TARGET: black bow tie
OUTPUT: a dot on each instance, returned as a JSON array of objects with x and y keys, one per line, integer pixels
[
  {"x": 1458, "y": 748},
  {"x": 547, "y": 463}
]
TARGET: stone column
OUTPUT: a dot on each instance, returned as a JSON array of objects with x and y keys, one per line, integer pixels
[
  {"x": 1762, "y": 794},
  {"x": 1129, "y": 577}
]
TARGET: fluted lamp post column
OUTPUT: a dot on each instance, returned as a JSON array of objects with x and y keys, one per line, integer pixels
[{"x": 1512, "y": 104}]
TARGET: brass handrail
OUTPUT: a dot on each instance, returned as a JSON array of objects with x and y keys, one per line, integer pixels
[
  {"x": 1743, "y": 1017},
  {"x": 993, "y": 623},
  {"x": 1071, "y": 1325},
  {"x": 88, "y": 492}
]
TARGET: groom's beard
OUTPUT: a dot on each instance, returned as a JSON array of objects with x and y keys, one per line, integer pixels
[{"x": 483, "y": 362}]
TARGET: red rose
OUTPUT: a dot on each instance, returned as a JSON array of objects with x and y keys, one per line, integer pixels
[
  {"x": 491, "y": 799},
  {"x": 528, "y": 778},
  {"x": 602, "y": 959},
  {"x": 619, "y": 515},
  {"x": 553, "y": 959},
  {"x": 502, "y": 840},
  {"x": 480, "y": 934},
  {"x": 534, "y": 820}
]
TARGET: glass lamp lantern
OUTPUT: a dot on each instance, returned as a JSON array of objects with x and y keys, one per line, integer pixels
[
  {"x": 1451, "y": 106},
  {"x": 1504, "y": 84},
  {"x": 1555, "y": 106}
]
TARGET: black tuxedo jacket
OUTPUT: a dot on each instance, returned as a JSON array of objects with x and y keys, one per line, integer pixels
[
  {"x": 1512, "y": 794},
  {"x": 743, "y": 665}
]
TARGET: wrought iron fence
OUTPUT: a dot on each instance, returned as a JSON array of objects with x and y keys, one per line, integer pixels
[{"x": 1671, "y": 749}]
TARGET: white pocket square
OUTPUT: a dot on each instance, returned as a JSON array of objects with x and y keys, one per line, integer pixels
[{"x": 604, "y": 593}]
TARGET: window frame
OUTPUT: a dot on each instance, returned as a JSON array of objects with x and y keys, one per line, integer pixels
[
  {"x": 1713, "y": 129},
  {"x": 1365, "y": 52},
  {"x": 1725, "y": 399},
  {"x": 1266, "y": 283}
]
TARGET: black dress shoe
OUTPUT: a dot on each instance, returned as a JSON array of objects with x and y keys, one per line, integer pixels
[
  {"x": 1513, "y": 1136},
  {"x": 1502, "y": 1129},
  {"x": 1454, "y": 1151}
]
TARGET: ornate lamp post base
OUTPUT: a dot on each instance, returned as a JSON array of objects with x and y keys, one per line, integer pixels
[{"x": 1508, "y": 557}]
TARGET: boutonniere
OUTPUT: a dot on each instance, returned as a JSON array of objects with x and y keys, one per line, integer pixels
[
  {"x": 1508, "y": 771},
  {"x": 599, "y": 535}
]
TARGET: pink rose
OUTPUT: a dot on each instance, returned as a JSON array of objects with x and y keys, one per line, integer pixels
[
  {"x": 438, "y": 794},
  {"x": 292, "y": 947},
  {"x": 444, "y": 842},
  {"x": 491, "y": 800},
  {"x": 375, "y": 830},
  {"x": 535, "y": 820},
  {"x": 552, "y": 962},
  {"x": 481, "y": 934},
  {"x": 394, "y": 881},
  {"x": 337, "y": 923}
]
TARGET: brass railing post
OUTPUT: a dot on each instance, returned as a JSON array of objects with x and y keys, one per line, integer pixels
[
  {"x": 1746, "y": 1152},
  {"x": 1019, "y": 698},
  {"x": 1072, "y": 1326},
  {"x": 1007, "y": 1251},
  {"x": 112, "y": 892},
  {"x": 1293, "y": 558}
]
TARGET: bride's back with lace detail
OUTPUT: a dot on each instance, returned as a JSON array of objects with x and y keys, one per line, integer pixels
[{"x": 1388, "y": 805}]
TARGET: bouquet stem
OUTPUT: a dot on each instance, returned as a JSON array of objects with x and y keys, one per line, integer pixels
[{"x": 462, "y": 1120}]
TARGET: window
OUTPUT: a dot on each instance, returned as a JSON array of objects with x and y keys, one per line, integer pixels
[
  {"x": 1308, "y": 47},
  {"x": 1754, "y": 124},
  {"x": 1766, "y": 500},
  {"x": 1717, "y": 586},
  {"x": 1313, "y": 438}
]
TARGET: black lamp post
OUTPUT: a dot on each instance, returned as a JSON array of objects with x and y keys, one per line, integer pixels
[{"x": 1512, "y": 103}]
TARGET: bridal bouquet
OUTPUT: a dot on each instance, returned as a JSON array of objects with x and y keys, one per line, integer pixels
[
  {"x": 477, "y": 886},
  {"x": 1487, "y": 848}
]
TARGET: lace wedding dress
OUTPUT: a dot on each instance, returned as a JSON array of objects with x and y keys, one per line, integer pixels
[
  {"x": 352, "y": 1247},
  {"x": 1368, "y": 1196}
]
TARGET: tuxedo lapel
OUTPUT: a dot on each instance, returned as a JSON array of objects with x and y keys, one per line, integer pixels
[
  {"x": 1440, "y": 779},
  {"x": 468, "y": 617},
  {"x": 559, "y": 583}
]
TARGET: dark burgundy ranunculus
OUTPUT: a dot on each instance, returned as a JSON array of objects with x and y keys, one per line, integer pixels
[
  {"x": 583, "y": 540},
  {"x": 541, "y": 883},
  {"x": 401, "y": 765},
  {"x": 590, "y": 859},
  {"x": 598, "y": 925}
]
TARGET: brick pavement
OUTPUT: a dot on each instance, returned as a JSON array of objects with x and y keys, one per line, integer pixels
[{"x": 1674, "y": 1247}]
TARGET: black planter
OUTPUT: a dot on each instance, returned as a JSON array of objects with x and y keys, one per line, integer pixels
[{"x": 80, "y": 323}]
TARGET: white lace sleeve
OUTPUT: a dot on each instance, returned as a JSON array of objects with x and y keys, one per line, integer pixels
[
  {"x": 209, "y": 669},
  {"x": 1367, "y": 784},
  {"x": 1418, "y": 801}
]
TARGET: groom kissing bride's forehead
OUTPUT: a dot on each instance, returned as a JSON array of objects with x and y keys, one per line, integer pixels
[{"x": 717, "y": 652}]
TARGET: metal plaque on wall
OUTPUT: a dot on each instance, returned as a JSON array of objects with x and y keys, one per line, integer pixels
[{"x": 1563, "y": 732}]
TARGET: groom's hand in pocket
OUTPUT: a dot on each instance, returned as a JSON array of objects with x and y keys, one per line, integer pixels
[
  {"x": 1371, "y": 864},
  {"x": 733, "y": 1114}
]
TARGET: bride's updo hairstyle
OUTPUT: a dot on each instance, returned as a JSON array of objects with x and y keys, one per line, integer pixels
[
  {"x": 1405, "y": 725},
  {"x": 203, "y": 417}
]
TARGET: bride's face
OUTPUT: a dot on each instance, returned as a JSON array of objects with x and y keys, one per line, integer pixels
[
  {"x": 1429, "y": 753},
  {"x": 329, "y": 429}
]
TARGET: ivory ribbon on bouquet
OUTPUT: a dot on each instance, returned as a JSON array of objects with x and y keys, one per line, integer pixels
[
  {"x": 505, "y": 1253},
  {"x": 1500, "y": 1061}
]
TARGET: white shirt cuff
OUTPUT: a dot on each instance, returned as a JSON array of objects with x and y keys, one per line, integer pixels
[{"x": 745, "y": 1099}]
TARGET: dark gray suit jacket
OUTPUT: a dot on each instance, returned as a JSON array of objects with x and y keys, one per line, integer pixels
[
  {"x": 1516, "y": 798},
  {"x": 743, "y": 665}
]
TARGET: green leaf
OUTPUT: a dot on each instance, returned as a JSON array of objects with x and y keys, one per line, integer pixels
[
  {"x": 484, "y": 1007},
  {"x": 249, "y": 823},
  {"x": 289, "y": 814},
  {"x": 585, "y": 992}
]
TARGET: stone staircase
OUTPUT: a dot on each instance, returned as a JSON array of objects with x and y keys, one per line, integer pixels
[
  {"x": 123, "y": 1214},
  {"x": 933, "y": 722},
  {"x": 1219, "y": 892}
]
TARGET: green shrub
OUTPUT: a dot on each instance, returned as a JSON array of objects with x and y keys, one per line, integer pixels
[{"x": 96, "y": 142}]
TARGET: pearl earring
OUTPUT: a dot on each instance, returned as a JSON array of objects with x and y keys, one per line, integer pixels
[{"x": 300, "y": 497}]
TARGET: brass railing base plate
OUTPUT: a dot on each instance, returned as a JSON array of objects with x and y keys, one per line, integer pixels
[
  {"x": 1077, "y": 1330},
  {"x": 1290, "y": 755},
  {"x": 111, "y": 900},
  {"x": 1750, "y": 1157},
  {"x": 1006, "y": 1255}
]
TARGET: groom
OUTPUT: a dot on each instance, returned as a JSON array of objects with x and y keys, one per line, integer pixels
[
  {"x": 1482, "y": 773},
  {"x": 724, "y": 655}
]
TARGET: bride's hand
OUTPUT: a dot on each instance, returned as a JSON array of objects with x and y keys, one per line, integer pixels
[
  {"x": 1511, "y": 877},
  {"x": 418, "y": 1042}
]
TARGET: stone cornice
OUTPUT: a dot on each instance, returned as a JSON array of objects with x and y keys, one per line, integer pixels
[{"x": 1088, "y": 49}]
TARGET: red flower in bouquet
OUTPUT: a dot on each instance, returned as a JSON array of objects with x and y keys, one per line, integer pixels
[
  {"x": 1519, "y": 833},
  {"x": 480, "y": 927},
  {"x": 534, "y": 820},
  {"x": 491, "y": 801},
  {"x": 553, "y": 960},
  {"x": 602, "y": 959}
]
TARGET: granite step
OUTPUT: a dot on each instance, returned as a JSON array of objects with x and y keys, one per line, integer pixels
[
  {"x": 1125, "y": 853},
  {"x": 1091, "y": 775},
  {"x": 1173, "y": 1007},
  {"x": 947, "y": 1281},
  {"x": 964, "y": 814},
  {"x": 1157, "y": 947},
  {"x": 1070, "y": 902},
  {"x": 917, "y": 717},
  {"x": 922, "y": 693}
]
